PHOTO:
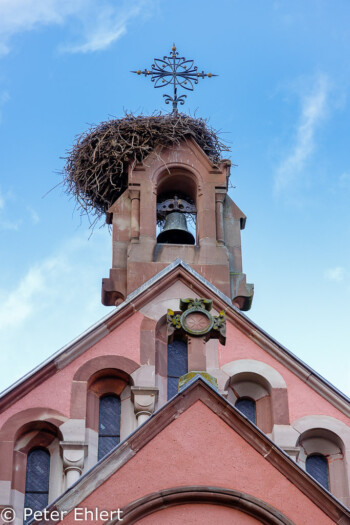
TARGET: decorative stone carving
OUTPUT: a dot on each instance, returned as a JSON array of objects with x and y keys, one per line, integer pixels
[
  {"x": 197, "y": 321},
  {"x": 144, "y": 399},
  {"x": 73, "y": 455}
]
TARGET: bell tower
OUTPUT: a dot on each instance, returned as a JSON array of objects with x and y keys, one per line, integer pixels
[
  {"x": 170, "y": 188},
  {"x": 182, "y": 179}
]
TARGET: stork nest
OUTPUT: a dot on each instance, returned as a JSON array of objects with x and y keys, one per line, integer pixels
[{"x": 96, "y": 169}]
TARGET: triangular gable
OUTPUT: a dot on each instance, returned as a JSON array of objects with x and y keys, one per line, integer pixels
[
  {"x": 178, "y": 270},
  {"x": 198, "y": 440}
]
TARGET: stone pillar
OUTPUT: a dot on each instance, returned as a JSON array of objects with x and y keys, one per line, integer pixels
[
  {"x": 73, "y": 454},
  {"x": 135, "y": 214},
  {"x": 144, "y": 399},
  {"x": 197, "y": 359},
  {"x": 219, "y": 210}
]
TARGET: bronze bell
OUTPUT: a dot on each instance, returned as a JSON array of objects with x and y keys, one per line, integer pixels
[{"x": 175, "y": 230}]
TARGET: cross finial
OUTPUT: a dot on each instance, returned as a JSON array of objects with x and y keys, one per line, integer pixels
[{"x": 176, "y": 71}]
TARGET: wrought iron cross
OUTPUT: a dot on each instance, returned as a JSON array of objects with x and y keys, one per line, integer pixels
[{"x": 177, "y": 71}]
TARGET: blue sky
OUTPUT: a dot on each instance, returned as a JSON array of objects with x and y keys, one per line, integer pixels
[{"x": 281, "y": 101}]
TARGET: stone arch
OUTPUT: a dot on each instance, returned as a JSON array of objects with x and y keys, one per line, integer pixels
[
  {"x": 88, "y": 370},
  {"x": 23, "y": 432},
  {"x": 329, "y": 437},
  {"x": 245, "y": 503},
  {"x": 263, "y": 384},
  {"x": 11, "y": 428},
  {"x": 182, "y": 180},
  {"x": 165, "y": 178},
  {"x": 21, "y": 423}
]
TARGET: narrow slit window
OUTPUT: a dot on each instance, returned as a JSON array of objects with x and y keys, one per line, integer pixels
[
  {"x": 177, "y": 365},
  {"x": 317, "y": 467},
  {"x": 247, "y": 407},
  {"x": 37, "y": 479},
  {"x": 109, "y": 424}
]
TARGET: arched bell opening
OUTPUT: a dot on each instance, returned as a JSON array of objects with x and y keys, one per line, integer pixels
[{"x": 176, "y": 209}]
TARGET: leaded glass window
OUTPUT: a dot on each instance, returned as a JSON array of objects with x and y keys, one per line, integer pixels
[
  {"x": 247, "y": 407},
  {"x": 109, "y": 424},
  {"x": 177, "y": 365},
  {"x": 317, "y": 467},
  {"x": 37, "y": 479}
]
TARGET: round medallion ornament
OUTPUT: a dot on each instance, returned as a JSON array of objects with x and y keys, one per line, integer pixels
[{"x": 197, "y": 322}]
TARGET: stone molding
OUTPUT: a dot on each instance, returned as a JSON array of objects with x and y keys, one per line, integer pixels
[
  {"x": 204, "y": 494},
  {"x": 244, "y": 366}
]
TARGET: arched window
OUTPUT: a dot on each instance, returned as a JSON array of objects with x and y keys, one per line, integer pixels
[
  {"x": 177, "y": 365},
  {"x": 247, "y": 407},
  {"x": 37, "y": 479},
  {"x": 109, "y": 424},
  {"x": 317, "y": 466}
]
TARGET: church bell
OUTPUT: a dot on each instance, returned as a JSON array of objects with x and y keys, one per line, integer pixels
[{"x": 175, "y": 230}]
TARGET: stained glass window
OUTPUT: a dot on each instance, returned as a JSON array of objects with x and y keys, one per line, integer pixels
[
  {"x": 177, "y": 365},
  {"x": 37, "y": 479},
  {"x": 247, "y": 407},
  {"x": 109, "y": 424},
  {"x": 317, "y": 467}
]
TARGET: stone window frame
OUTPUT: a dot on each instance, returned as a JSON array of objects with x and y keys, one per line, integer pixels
[
  {"x": 84, "y": 407},
  {"x": 329, "y": 437},
  {"x": 264, "y": 385},
  {"x": 107, "y": 381},
  {"x": 13, "y": 465},
  {"x": 31, "y": 436}
]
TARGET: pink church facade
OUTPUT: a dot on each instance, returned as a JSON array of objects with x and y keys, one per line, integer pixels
[{"x": 233, "y": 445}]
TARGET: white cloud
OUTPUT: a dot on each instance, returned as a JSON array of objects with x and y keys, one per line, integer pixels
[
  {"x": 53, "y": 281},
  {"x": 97, "y": 24},
  {"x": 53, "y": 301},
  {"x": 6, "y": 225},
  {"x": 336, "y": 274},
  {"x": 17, "y": 16},
  {"x": 106, "y": 27},
  {"x": 33, "y": 215},
  {"x": 314, "y": 109},
  {"x": 21, "y": 302}
]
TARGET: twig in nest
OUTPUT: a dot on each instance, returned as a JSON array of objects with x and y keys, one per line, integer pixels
[{"x": 96, "y": 168}]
